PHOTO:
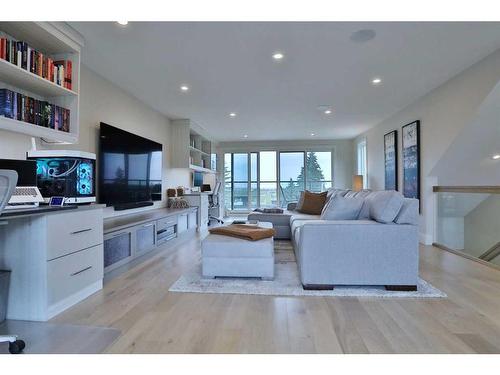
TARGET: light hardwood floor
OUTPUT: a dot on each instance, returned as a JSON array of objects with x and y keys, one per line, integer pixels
[{"x": 152, "y": 320}]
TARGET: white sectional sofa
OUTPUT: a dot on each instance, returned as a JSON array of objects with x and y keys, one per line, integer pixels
[{"x": 379, "y": 247}]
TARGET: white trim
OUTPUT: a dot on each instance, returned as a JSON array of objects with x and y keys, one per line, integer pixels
[
  {"x": 66, "y": 303},
  {"x": 425, "y": 238},
  {"x": 61, "y": 153}
]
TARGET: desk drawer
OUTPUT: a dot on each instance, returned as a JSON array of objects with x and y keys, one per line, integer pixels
[
  {"x": 72, "y": 273},
  {"x": 166, "y": 222},
  {"x": 73, "y": 231}
]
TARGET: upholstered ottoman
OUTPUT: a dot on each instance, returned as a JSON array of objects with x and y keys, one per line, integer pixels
[
  {"x": 224, "y": 256},
  {"x": 281, "y": 223}
]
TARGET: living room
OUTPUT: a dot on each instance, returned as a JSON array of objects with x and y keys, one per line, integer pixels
[{"x": 293, "y": 185}]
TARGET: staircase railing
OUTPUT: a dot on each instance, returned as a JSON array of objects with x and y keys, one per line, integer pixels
[
  {"x": 468, "y": 221},
  {"x": 491, "y": 253}
]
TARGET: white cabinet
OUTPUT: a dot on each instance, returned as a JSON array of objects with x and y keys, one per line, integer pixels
[
  {"x": 56, "y": 261},
  {"x": 201, "y": 202}
]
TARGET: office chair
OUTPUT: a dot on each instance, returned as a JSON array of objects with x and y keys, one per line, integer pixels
[
  {"x": 8, "y": 182},
  {"x": 214, "y": 203}
]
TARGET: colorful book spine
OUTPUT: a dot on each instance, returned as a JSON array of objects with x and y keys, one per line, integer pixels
[{"x": 38, "y": 112}]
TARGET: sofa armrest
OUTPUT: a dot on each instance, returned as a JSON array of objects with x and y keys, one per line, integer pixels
[
  {"x": 291, "y": 206},
  {"x": 358, "y": 252}
]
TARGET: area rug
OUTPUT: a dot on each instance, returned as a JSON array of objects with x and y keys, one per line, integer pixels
[{"x": 286, "y": 283}]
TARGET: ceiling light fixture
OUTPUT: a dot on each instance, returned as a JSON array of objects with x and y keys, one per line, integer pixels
[
  {"x": 312, "y": 134},
  {"x": 376, "y": 81},
  {"x": 232, "y": 114},
  {"x": 327, "y": 111},
  {"x": 123, "y": 23},
  {"x": 278, "y": 56},
  {"x": 245, "y": 136},
  {"x": 496, "y": 157},
  {"x": 184, "y": 88}
]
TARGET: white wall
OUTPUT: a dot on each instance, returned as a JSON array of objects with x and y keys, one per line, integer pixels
[
  {"x": 100, "y": 100},
  {"x": 443, "y": 113}
]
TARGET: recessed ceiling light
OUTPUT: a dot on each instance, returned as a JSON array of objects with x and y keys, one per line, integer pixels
[
  {"x": 184, "y": 88},
  {"x": 278, "y": 56},
  {"x": 327, "y": 111},
  {"x": 362, "y": 36},
  {"x": 245, "y": 136},
  {"x": 312, "y": 134},
  {"x": 123, "y": 23},
  {"x": 496, "y": 157},
  {"x": 232, "y": 114},
  {"x": 376, "y": 81}
]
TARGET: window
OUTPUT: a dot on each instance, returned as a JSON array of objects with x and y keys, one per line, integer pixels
[
  {"x": 268, "y": 179},
  {"x": 253, "y": 180},
  {"x": 292, "y": 180},
  {"x": 362, "y": 162}
]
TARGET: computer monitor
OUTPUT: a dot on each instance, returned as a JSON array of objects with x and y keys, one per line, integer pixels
[
  {"x": 26, "y": 170},
  {"x": 197, "y": 178}
]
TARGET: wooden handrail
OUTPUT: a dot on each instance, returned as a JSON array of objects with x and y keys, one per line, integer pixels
[
  {"x": 467, "y": 189},
  {"x": 491, "y": 254}
]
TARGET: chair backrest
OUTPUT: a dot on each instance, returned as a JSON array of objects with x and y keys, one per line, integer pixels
[{"x": 8, "y": 182}]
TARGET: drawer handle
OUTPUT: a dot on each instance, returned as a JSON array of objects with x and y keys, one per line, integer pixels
[
  {"x": 81, "y": 271},
  {"x": 81, "y": 231},
  {"x": 147, "y": 225}
]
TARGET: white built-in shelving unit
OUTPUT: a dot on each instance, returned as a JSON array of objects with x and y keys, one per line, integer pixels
[
  {"x": 60, "y": 42},
  {"x": 191, "y": 148}
]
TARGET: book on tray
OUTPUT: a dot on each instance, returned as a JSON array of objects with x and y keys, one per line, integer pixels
[{"x": 21, "y": 107}]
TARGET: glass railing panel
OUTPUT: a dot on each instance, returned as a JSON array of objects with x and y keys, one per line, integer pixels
[{"x": 470, "y": 223}]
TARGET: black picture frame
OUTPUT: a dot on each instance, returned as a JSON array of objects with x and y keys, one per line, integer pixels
[
  {"x": 391, "y": 160},
  {"x": 411, "y": 159}
]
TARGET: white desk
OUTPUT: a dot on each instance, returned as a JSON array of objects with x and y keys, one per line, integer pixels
[{"x": 56, "y": 259}]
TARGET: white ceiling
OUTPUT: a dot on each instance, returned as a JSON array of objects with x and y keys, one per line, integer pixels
[{"x": 229, "y": 68}]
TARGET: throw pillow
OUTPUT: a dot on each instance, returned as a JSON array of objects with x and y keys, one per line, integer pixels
[
  {"x": 300, "y": 203},
  {"x": 313, "y": 203},
  {"x": 385, "y": 206},
  {"x": 408, "y": 213},
  {"x": 341, "y": 208}
]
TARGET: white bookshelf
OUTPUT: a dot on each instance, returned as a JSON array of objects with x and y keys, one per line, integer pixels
[
  {"x": 59, "y": 41},
  {"x": 190, "y": 147}
]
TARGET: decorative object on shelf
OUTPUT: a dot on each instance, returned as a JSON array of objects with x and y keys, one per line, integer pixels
[
  {"x": 357, "y": 182},
  {"x": 177, "y": 203},
  {"x": 391, "y": 160},
  {"x": 171, "y": 193},
  {"x": 180, "y": 191},
  {"x": 411, "y": 160},
  {"x": 20, "y": 107}
]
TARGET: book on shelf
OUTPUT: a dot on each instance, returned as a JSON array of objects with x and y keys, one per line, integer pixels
[
  {"x": 25, "y": 57},
  {"x": 21, "y": 107}
]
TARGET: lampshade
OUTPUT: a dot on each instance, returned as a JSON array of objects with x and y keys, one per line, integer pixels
[{"x": 357, "y": 182}]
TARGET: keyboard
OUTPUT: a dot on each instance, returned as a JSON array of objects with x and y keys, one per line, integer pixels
[{"x": 25, "y": 191}]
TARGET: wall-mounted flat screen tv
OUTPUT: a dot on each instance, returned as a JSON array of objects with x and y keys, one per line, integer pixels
[{"x": 130, "y": 167}]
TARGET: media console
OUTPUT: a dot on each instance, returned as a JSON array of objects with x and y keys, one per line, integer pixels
[{"x": 128, "y": 237}]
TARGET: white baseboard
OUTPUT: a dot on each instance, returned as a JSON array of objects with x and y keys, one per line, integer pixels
[
  {"x": 66, "y": 303},
  {"x": 425, "y": 239}
]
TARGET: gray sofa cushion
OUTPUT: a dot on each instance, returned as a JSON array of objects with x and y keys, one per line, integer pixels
[
  {"x": 363, "y": 193},
  {"x": 350, "y": 194},
  {"x": 342, "y": 208},
  {"x": 332, "y": 192},
  {"x": 364, "y": 214},
  {"x": 385, "y": 205},
  {"x": 408, "y": 213}
]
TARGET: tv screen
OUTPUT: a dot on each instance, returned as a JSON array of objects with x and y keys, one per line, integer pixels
[{"x": 130, "y": 167}]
